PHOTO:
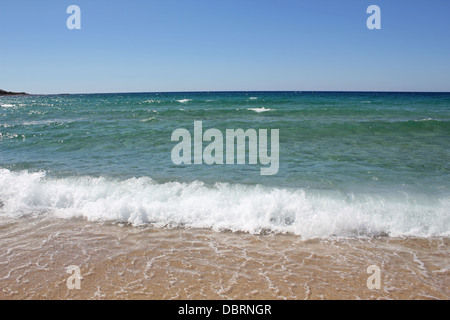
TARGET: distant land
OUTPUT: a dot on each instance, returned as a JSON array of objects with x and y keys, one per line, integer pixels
[{"x": 8, "y": 93}]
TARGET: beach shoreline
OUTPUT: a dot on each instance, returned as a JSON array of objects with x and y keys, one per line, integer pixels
[{"x": 124, "y": 262}]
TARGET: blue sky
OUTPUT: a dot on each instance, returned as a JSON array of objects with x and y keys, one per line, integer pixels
[{"x": 225, "y": 45}]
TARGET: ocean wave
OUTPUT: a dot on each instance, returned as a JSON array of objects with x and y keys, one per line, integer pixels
[
  {"x": 46, "y": 122},
  {"x": 148, "y": 119},
  {"x": 7, "y": 136},
  {"x": 183, "y": 100},
  {"x": 254, "y": 209},
  {"x": 259, "y": 110},
  {"x": 427, "y": 119},
  {"x": 150, "y": 101}
]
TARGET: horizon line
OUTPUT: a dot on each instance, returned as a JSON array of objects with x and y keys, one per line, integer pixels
[{"x": 235, "y": 91}]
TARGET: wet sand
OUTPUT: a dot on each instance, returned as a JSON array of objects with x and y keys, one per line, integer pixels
[{"x": 123, "y": 262}]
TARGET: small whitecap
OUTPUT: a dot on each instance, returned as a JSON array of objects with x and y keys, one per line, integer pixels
[
  {"x": 151, "y": 101},
  {"x": 259, "y": 110},
  {"x": 148, "y": 119},
  {"x": 425, "y": 119}
]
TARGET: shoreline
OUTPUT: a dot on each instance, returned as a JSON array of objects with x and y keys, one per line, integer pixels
[{"x": 195, "y": 264}]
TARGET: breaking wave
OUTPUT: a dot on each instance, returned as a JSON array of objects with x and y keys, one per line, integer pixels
[{"x": 254, "y": 209}]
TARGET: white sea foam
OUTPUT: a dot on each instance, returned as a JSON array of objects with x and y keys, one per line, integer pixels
[
  {"x": 150, "y": 101},
  {"x": 426, "y": 119},
  {"x": 259, "y": 110},
  {"x": 7, "y": 105},
  {"x": 6, "y": 136},
  {"x": 184, "y": 100},
  {"x": 148, "y": 119},
  {"x": 50, "y": 122},
  {"x": 253, "y": 209},
  {"x": 44, "y": 122}
]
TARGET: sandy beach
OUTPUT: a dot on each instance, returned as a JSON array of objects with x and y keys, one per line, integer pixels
[{"x": 122, "y": 262}]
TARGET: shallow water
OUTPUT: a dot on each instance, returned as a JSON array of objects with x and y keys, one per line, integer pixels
[{"x": 120, "y": 262}]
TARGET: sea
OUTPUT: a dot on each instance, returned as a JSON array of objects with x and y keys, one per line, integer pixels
[{"x": 353, "y": 166}]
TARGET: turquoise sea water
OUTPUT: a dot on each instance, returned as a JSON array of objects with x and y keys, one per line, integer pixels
[{"x": 351, "y": 164}]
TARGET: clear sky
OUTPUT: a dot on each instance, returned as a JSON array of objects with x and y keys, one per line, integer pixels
[{"x": 224, "y": 45}]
